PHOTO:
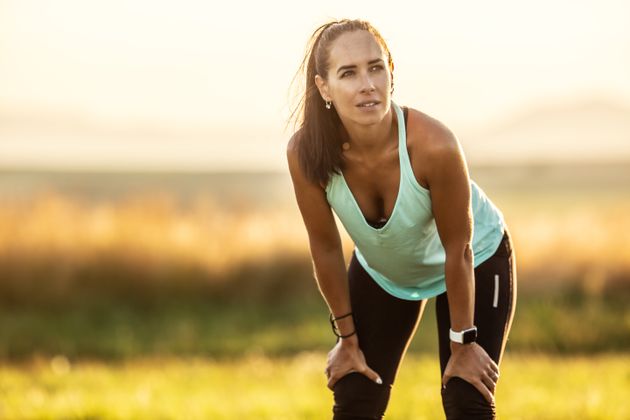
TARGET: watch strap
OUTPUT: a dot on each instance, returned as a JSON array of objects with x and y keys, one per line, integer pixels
[{"x": 466, "y": 336}]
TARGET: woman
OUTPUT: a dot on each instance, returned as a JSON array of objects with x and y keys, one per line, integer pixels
[{"x": 397, "y": 180}]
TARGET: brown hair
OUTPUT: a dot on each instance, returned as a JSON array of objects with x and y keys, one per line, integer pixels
[{"x": 318, "y": 139}]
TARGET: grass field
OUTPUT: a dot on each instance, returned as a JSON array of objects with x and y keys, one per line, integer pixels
[
  {"x": 256, "y": 387},
  {"x": 131, "y": 234},
  {"x": 236, "y": 329},
  {"x": 192, "y": 297}
]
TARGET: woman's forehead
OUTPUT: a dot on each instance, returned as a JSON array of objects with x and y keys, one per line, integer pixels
[{"x": 354, "y": 47}]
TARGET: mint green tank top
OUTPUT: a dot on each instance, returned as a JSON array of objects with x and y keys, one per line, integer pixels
[{"x": 405, "y": 256}]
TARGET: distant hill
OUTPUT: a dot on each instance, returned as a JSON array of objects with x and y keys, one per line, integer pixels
[{"x": 588, "y": 130}]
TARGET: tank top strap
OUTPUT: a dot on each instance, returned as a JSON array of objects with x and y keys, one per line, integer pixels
[{"x": 403, "y": 155}]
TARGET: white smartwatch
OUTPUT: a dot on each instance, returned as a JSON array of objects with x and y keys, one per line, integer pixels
[{"x": 463, "y": 337}]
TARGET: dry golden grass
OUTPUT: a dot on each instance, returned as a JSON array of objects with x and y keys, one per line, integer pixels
[
  {"x": 93, "y": 261},
  {"x": 577, "y": 243},
  {"x": 584, "y": 244},
  {"x": 149, "y": 228}
]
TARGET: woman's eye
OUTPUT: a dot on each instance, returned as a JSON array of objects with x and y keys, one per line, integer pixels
[{"x": 351, "y": 72}]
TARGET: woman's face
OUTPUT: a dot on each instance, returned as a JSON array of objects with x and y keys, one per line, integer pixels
[{"x": 358, "y": 81}]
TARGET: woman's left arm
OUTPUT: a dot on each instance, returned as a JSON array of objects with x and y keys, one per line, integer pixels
[{"x": 449, "y": 185}]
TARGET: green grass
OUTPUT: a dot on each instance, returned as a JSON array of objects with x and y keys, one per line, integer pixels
[
  {"x": 116, "y": 330},
  {"x": 258, "y": 387}
]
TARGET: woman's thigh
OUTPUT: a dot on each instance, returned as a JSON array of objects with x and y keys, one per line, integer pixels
[
  {"x": 495, "y": 302},
  {"x": 385, "y": 326}
]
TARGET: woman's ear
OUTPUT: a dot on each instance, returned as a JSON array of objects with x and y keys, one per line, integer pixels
[{"x": 322, "y": 86}]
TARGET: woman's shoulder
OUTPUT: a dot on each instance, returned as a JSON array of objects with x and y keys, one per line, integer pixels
[
  {"x": 293, "y": 158},
  {"x": 292, "y": 144},
  {"x": 427, "y": 133},
  {"x": 431, "y": 145}
]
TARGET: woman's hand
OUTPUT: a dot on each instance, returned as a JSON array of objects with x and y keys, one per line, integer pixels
[
  {"x": 471, "y": 363},
  {"x": 347, "y": 357}
]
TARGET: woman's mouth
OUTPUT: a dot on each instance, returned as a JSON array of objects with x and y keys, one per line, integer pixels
[{"x": 370, "y": 104}]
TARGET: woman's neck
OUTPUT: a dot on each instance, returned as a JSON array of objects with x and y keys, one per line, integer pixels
[{"x": 370, "y": 140}]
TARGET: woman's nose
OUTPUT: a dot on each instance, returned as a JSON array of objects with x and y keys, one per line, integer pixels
[{"x": 367, "y": 85}]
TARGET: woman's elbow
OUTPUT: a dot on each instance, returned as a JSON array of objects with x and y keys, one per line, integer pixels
[{"x": 463, "y": 252}]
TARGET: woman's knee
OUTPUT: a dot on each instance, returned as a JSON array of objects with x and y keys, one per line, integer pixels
[
  {"x": 357, "y": 397},
  {"x": 461, "y": 400}
]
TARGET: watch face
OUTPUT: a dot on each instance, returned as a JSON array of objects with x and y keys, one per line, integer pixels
[{"x": 470, "y": 336}]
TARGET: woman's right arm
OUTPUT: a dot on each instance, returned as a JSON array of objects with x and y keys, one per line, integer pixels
[
  {"x": 324, "y": 241},
  {"x": 330, "y": 270}
]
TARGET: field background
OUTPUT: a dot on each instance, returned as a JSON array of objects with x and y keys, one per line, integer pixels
[
  {"x": 154, "y": 264},
  {"x": 191, "y": 295}
]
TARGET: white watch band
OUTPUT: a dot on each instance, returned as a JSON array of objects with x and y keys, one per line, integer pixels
[{"x": 458, "y": 336}]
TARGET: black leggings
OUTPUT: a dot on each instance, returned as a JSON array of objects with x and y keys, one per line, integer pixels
[{"x": 386, "y": 324}]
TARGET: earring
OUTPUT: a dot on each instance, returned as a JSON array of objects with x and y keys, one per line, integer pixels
[{"x": 328, "y": 104}]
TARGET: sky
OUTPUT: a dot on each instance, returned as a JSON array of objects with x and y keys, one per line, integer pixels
[{"x": 190, "y": 85}]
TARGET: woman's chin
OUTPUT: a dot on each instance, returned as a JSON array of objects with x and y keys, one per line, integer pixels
[{"x": 370, "y": 118}]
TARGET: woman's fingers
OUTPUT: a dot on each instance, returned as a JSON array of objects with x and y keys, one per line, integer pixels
[
  {"x": 445, "y": 379},
  {"x": 494, "y": 375},
  {"x": 372, "y": 375},
  {"x": 489, "y": 382},
  {"x": 476, "y": 367},
  {"x": 493, "y": 366},
  {"x": 342, "y": 361},
  {"x": 335, "y": 375},
  {"x": 491, "y": 374},
  {"x": 331, "y": 382},
  {"x": 487, "y": 393}
]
